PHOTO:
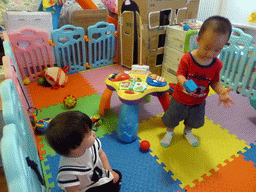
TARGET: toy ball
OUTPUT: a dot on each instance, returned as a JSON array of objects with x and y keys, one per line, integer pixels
[
  {"x": 186, "y": 27},
  {"x": 55, "y": 76},
  {"x": 70, "y": 101},
  {"x": 144, "y": 145},
  {"x": 41, "y": 81},
  {"x": 26, "y": 81}
]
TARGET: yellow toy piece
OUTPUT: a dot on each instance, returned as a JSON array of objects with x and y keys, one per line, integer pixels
[
  {"x": 48, "y": 3},
  {"x": 252, "y": 17},
  {"x": 96, "y": 117},
  {"x": 26, "y": 81}
]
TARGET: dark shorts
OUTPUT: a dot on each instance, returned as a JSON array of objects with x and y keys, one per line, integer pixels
[
  {"x": 193, "y": 115},
  {"x": 110, "y": 187}
]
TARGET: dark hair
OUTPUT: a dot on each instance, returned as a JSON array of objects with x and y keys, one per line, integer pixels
[
  {"x": 218, "y": 24},
  {"x": 66, "y": 131}
]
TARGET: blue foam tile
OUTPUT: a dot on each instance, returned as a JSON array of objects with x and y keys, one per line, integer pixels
[
  {"x": 53, "y": 163},
  {"x": 250, "y": 154},
  {"x": 141, "y": 172}
]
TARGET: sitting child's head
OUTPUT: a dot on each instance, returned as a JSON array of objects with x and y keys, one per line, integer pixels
[
  {"x": 213, "y": 36},
  {"x": 67, "y": 132}
]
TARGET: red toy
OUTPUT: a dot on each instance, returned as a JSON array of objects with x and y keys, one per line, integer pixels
[
  {"x": 119, "y": 77},
  {"x": 144, "y": 145}
]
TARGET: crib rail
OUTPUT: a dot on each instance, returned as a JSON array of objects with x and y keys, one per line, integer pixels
[
  {"x": 70, "y": 47},
  {"x": 239, "y": 64},
  {"x": 101, "y": 45},
  {"x": 32, "y": 52}
]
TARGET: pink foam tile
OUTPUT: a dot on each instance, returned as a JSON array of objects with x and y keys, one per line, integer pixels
[{"x": 97, "y": 77}]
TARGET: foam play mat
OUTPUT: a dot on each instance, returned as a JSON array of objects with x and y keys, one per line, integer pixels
[
  {"x": 224, "y": 161},
  {"x": 46, "y": 96}
]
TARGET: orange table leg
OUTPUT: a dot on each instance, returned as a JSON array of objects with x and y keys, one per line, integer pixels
[
  {"x": 105, "y": 101},
  {"x": 165, "y": 101}
]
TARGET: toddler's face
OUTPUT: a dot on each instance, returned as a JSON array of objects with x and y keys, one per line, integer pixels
[{"x": 210, "y": 44}]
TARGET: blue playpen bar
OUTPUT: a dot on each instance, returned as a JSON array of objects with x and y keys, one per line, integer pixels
[
  {"x": 70, "y": 47},
  {"x": 21, "y": 162},
  {"x": 101, "y": 45},
  {"x": 239, "y": 64}
]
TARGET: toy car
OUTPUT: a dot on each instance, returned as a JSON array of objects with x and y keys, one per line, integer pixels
[
  {"x": 96, "y": 120},
  {"x": 42, "y": 125}
]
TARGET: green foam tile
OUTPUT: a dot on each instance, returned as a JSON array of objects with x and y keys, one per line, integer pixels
[{"x": 88, "y": 105}]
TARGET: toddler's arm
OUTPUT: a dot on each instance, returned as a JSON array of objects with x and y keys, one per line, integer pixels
[
  {"x": 181, "y": 80},
  {"x": 106, "y": 165}
]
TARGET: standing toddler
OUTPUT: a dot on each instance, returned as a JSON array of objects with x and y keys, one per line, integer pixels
[{"x": 203, "y": 67}]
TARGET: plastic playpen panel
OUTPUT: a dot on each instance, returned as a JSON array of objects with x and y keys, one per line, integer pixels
[
  {"x": 239, "y": 64},
  {"x": 12, "y": 71},
  {"x": 13, "y": 112},
  {"x": 101, "y": 45},
  {"x": 18, "y": 143},
  {"x": 32, "y": 52},
  {"x": 8, "y": 52},
  {"x": 70, "y": 47},
  {"x": 20, "y": 177}
]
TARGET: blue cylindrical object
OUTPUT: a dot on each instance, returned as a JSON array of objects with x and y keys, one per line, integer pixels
[{"x": 128, "y": 121}]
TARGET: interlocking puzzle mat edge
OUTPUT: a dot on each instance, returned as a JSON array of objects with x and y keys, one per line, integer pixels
[{"x": 201, "y": 159}]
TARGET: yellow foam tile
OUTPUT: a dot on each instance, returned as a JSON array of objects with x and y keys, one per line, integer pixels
[
  {"x": 186, "y": 162},
  {"x": 211, "y": 92}
]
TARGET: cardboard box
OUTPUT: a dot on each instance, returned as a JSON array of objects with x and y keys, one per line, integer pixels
[
  {"x": 88, "y": 17},
  {"x": 37, "y": 20},
  {"x": 142, "y": 28}
]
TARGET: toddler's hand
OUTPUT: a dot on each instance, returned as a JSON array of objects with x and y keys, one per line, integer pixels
[
  {"x": 191, "y": 93},
  {"x": 116, "y": 176},
  {"x": 225, "y": 98}
]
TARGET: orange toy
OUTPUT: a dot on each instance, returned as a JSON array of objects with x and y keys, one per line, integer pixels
[{"x": 87, "y": 4}]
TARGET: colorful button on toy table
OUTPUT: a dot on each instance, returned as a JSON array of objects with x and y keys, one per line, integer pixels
[{"x": 131, "y": 89}]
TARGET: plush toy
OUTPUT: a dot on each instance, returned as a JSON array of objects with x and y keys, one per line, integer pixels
[
  {"x": 56, "y": 76},
  {"x": 252, "y": 17}
]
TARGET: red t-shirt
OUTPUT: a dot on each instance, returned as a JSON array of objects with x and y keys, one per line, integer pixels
[{"x": 203, "y": 76}]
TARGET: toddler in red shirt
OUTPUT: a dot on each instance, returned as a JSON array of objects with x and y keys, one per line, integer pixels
[{"x": 203, "y": 67}]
